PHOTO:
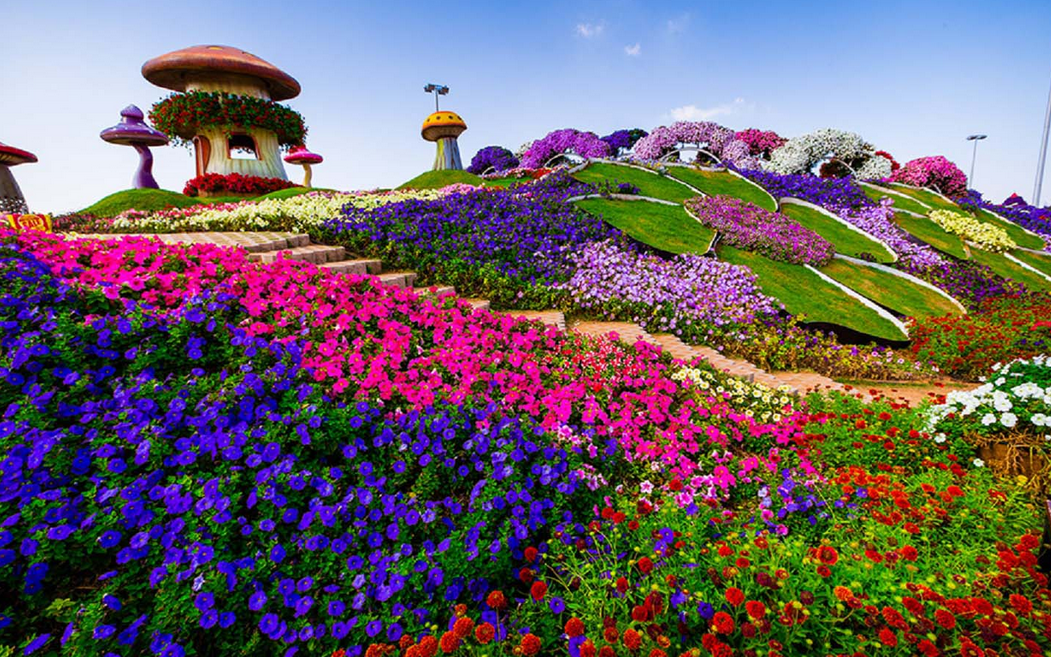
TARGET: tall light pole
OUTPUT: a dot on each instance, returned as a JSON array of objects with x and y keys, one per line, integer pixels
[
  {"x": 974, "y": 156},
  {"x": 1043, "y": 154},
  {"x": 438, "y": 90}
]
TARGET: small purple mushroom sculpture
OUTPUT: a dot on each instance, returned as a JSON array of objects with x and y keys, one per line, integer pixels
[{"x": 133, "y": 131}]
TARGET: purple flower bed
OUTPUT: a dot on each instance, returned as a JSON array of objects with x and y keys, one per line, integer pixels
[
  {"x": 832, "y": 194},
  {"x": 772, "y": 234},
  {"x": 585, "y": 144},
  {"x": 689, "y": 294},
  {"x": 498, "y": 158},
  {"x": 1017, "y": 210},
  {"x": 966, "y": 281},
  {"x": 878, "y": 221}
]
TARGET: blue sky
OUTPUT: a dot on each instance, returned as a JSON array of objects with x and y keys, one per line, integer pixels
[{"x": 912, "y": 78}]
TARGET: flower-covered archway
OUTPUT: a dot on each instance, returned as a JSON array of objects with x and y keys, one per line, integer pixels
[
  {"x": 704, "y": 136},
  {"x": 800, "y": 155},
  {"x": 559, "y": 142}
]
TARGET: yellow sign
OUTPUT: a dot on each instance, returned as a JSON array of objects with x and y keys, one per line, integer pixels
[{"x": 21, "y": 222}]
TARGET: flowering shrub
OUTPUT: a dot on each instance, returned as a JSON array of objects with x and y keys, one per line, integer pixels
[
  {"x": 761, "y": 143},
  {"x": 623, "y": 140},
  {"x": 1013, "y": 209},
  {"x": 719, "y": 141},
  {"x": 988, "y": 237},
  {"x": 234, "y": 183},
  {"x": 496, "y": 158},
  {"x": 585, "y": 144},
  {"x": 183, "y": 115},
  {"x": 831, "y": 194},
  {"x": 934, "y": 171},
  {"x": 1002, "y": 328},
  {"x": 894, "y": 164},
  {"x": 800, "y": 154},
  {"x": 747, "y": 226}
]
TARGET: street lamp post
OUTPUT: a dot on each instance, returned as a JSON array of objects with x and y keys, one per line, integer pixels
[
  {"x": 438, "y": 90},
  {"x": 1043, "y": 154},
  {"x": 974, "y": 156}
]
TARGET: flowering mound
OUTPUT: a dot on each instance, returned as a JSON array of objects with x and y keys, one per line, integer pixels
[
  {"x": 712, "y": 137},
  {"x": 585, "y": 144},
  {"x": 492, "y": 159},
  {"x": 934, "y": 171},
  {"x": 832, "y": 194},
  {"x": 772, "y": 234},
  {"x": 988, "y": 237},
  {"x": 234, "y": 183},
  {"x": 800, "y": 154}
]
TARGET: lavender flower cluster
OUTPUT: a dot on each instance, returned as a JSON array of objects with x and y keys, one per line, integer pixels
[
  {"x": 772, "y": 234},
  {"x": 568, "y": 140},
  {"x": 878, "y": 221},
  {"x": 497, "y": 158},
  {"x": 623, "y": 140},
  {"x": 720, "y": 141},
  {"x": 688, "y": 294}
]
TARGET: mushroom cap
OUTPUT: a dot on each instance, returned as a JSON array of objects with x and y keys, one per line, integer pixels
[
  {"x": 173, "y": 69},
  {"x": 132, "y": 130},
  {"x": 300, "y": 155},
  {"x": 11, "y": 156},
  {"x": 442, "y": 124}
]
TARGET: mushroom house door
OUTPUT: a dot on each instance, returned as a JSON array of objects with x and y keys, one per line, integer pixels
[{"x": 203, "y": 150}]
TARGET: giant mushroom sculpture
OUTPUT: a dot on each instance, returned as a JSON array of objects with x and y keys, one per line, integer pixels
[
  {"x": 444, "y": 127},
  {"x": 235, "y": 125},
  {"x": 300, "y": 155},
  {"x": 133, "y": 131},
  {"x": 11, "y": 199}
]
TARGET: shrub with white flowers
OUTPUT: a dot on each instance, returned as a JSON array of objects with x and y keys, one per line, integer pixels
[{"x": 1015, "y": 399}]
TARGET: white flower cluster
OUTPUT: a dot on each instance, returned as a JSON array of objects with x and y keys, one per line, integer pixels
[
  {"x": 799, "y": 154},
  {"x": 757, "y": 401},
  {"x": 1018, "y": 398}
]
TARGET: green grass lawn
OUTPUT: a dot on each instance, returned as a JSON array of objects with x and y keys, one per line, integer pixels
[
  {"x": 805, "y": 293},
  {"x": 504, "y": 182},
  {"x": 928, "y": 197},
  {"x": 932, "y": 234},
  {"x": 665, "y": 227},
  {"x": 665, "y": 188},
  {"x": 847, "y": 241},
  {"x": 439, "y": 179},
  {"x": 145, "y": 200},
  {"x": 725, "y": 183},
  {"x": 1035, "y": 260},
  {"x": 1004, "y": 267},
  {"x": 1021, "y": 237},
  {"x": 901, "y": 202},
  {"x": 890, "y": 291}
]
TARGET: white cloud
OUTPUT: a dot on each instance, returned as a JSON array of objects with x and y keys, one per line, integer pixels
[
  {"x": 678, "y": 24},
  {"x": 633, "y": 51},
  {"x": 590, "y": 30},
  {"x": 694, "y": 113}
]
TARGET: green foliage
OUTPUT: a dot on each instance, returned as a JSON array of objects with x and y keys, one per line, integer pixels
[
  {"x": 439, "y": 179},
  {"x": 890, "y": 290},
  {"x": 143, "y": 200},
  {"x": 649, "y": 183},
  {"x": 664, "y": 227},
  {"x": 716, "y": 183},
  {"x": 846, "y": 240}
]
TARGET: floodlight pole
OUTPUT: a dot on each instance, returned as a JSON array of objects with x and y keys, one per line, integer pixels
[
  {"x": 437, "y": 90},
  {"x": 1043, "y": 154},
  {"x": 974, "y": 156}
]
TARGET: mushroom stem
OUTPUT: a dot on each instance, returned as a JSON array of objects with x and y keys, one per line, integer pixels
[
  {"x": 143, "y": 178},
  {"x": 11, "y": 199},
  {"x": 306, "y": 174}
]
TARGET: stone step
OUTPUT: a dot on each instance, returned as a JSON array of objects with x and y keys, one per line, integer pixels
[
  {"x": 317, "y": 254},
  {"x": 627, "y": 332},
  {"x": 398, "y": 278},
  {"x": 364, "y": 266},
  {"x": 477, "y": 304},
  {"x": 437, "y": 290},
  {"x": 550, "y": 317}
]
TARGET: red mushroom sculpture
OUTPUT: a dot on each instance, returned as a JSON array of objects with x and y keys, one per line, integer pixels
[
  {"x": 300, "y": 155},
  {"x": 11, "y": 199},
  {"x": 133, "y": 131}
]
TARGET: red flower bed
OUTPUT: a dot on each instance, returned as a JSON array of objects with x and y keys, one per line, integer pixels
[{"x": 234, "y": 183}]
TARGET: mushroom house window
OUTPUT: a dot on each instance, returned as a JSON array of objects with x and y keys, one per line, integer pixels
[{"x": 242, "y": 147}]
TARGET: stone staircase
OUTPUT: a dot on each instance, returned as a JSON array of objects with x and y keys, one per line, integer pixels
[{"x": 273, "y": 246}]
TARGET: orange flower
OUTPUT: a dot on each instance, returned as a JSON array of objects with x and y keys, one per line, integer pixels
[
  {"x": 449, "y": 643},
  {"x": 496, "y": 600},
  {"x": 632, "y": 640},
  {"x": 462, "y": 627},
  {"x": 827, "y": 555},
  {"x": 842, "y": 593},
  {"x": 574, "y": 627}
]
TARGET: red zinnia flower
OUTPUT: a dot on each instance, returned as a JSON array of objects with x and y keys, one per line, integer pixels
[
  {"x": 722, "y": 622},
  {"x": 496, "y": 600},
  {"x": 530, "y": 554},
  {"x": 755, "y": 609},
  {"x": 888, "y": 638},
  {"x": 645, "y": 565},
  {"x": 587, "y": 649},
  {"x": 610, "y": 634},
  {"x": 827, "y": 555},
  {"x": 632, "y": 640},
  {"x": 526, "y": 575},
  {"x": 606, "y": 651},
  {"x": 462, "y": 627},
  {"x": 449, "y": 642},
  {"x": 945, "y": 619},
  {"x": 530, "y": 644},
  {"x": 538, "y": 590},
  {"x": 734, "y": 596},
  {"x": 574, "y": 627},
  {"x": 484, "y": 633},
  {"x": 1021, "y": 603}
]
